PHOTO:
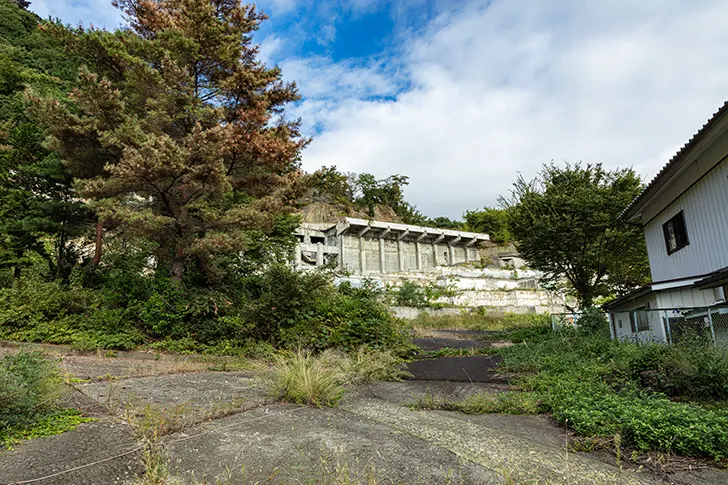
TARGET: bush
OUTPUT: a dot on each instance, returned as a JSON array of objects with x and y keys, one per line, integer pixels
[
  {"x": 602, "y": 387},
  {"x": 277, "y": 305},
  {"x": 29, "y": 386}
]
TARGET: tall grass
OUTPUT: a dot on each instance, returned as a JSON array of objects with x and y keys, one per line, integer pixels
[
  {"x": 321, "y": 379},
  {"x": 480, "y": 320}
]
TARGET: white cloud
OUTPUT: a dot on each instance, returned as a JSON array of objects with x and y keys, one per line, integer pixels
[
  {"x": 99, "y": 13},
  {"x": 490, "y": 90}
]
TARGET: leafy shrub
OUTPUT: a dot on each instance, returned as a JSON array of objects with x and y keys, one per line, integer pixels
[
  {"x": 601, "y": 387},
  {"x": 29, "y": 386},
  {"x": 594, "y": 322},
  {"x": 409, "y": 293},
  {"x": 277, "y": 305}
]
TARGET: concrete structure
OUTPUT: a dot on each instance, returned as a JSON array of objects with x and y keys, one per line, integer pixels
[
  {"x": 684, "y": 213},
  {"x": 386, "y": 254},
  {"x": 372, "y": 248}
]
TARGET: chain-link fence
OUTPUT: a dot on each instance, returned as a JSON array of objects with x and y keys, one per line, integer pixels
[{"x": 699, "y": 325}]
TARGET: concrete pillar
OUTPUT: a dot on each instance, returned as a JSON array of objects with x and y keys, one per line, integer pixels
[
  {"x": 297, "y": 256},
  {"x": 319, "y": 254},
  {"x": 467, "y": 254},
  {"x": 400, "y": 256},
  {"x": 362, "y": 258},
  {"x": 342, "y": 261},
  {"x": 434, "y": 253},
  {"x": 418, "y": 251},
  {"x": 451, "y": 254},
  {"x": 382, "y": 257}
]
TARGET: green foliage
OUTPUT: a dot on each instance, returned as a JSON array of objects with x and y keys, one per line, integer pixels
[
  {"x": 487, "y": 321},
  {"x": 491, "y": 221},
  {"x": 51, "y": 424},
  {"x": 413, "y": 294},
  {"x": 600, "y": 387},
  {"x": 30, "y": 386},
  {"x": 566, "y": 223},
  {"x": 302, "y": 378},
  {"x": 39, "y": 207}
]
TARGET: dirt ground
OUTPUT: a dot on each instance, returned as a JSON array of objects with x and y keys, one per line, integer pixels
[{"x": 231, "y": 433}]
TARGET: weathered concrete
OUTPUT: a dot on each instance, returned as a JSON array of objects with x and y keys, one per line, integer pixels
[
  {"x": 199, "y": 391},
  {"x": 308, "y": 445},
  {"x": 89, "y": 443},
  {"x": 493, "y": 448}
]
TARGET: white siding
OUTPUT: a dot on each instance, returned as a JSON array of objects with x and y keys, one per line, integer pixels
[
  {"x": 706, "y": 217},
  {"x": 685, "y": 297}
]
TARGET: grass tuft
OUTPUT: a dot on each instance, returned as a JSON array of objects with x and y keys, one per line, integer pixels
[{"x": 303, "y": 378}]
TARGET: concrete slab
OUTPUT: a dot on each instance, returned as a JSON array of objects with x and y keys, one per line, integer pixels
[
  {"x": 307, "y": 445},
  {"x": 198, "y": 390},
  {"x": 495, "y": 448},
  {"x": 88, "y": 443}
]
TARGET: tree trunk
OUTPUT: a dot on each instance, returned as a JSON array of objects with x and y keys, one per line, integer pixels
[
  {"x": 16, "y": 275},
  {"x": 99, "y": 242},
  {"x": 178, "y": 262}
]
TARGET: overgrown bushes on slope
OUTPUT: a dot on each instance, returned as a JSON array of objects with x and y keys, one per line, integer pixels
[{"x": 276, "y": 305}]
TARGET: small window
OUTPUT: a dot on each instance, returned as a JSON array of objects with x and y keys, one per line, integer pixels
[{"x": 676, "y": 234}]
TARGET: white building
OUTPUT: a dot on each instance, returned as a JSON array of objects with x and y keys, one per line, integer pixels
[{"x": 684, "y": 213}]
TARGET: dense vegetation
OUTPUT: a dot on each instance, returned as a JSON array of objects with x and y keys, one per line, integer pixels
[
  {"x": 30, "y": 386},
  {"x": 566, "y": 224},
  {"x": 148, "y": 179},
  {"x": 647, "y": 397}
]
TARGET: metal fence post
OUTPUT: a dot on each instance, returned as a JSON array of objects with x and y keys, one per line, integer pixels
[
  {"x": 667, "y": 327},
  {"x": 712, "y": 329}
]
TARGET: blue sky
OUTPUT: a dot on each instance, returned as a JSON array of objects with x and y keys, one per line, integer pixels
[{"x": 462, "y": 95}]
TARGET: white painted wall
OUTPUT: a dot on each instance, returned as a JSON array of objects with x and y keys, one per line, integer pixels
[{"x": 705, "y": 206}]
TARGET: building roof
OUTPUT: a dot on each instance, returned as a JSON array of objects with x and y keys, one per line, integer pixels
[
  {"x": 664, "y": 175},
  {"x": 350, "y": 222},
  {"x": 644, "y": 290},
  {"x": 714, "y": 279}
]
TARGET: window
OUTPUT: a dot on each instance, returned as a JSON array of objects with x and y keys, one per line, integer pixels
[{"x": 676, "y": 234}]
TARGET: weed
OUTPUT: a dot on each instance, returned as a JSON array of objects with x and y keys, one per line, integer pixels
[
  {"x": 601, "y": 388},
  {"x": 303, "y": 378},
  {"x": 53, "y": 423},
  {"x": 509, "y": 402}
]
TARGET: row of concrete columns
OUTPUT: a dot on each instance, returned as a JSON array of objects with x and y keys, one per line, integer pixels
[{"x": 400, "y": 253}]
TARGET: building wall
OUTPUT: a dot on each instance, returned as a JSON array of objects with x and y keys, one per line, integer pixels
[
  {"x": 705, "y": 207},
  {"x": 686, "y": 297},
  {"x": 619, "y": 319}
]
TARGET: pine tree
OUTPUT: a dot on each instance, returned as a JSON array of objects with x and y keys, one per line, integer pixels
[
  {"x": 39, "y": 208},
  {"x": 176, "y": 131}
]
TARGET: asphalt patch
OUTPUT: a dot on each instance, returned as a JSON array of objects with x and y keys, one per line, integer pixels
[
  {"x": 479, "y": 368},
  {"x": 432, "y": 343}
]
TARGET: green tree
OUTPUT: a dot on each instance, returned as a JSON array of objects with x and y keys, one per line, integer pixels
[
  {"x": 566, "y": 223},
  {"x": 370, "y": 192},
  {"x": 176, "y": 131},
  {"x": 445, "y": 223},
  {"x": 39, "y": 210},
  {"x": 491, "y": 221}
]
